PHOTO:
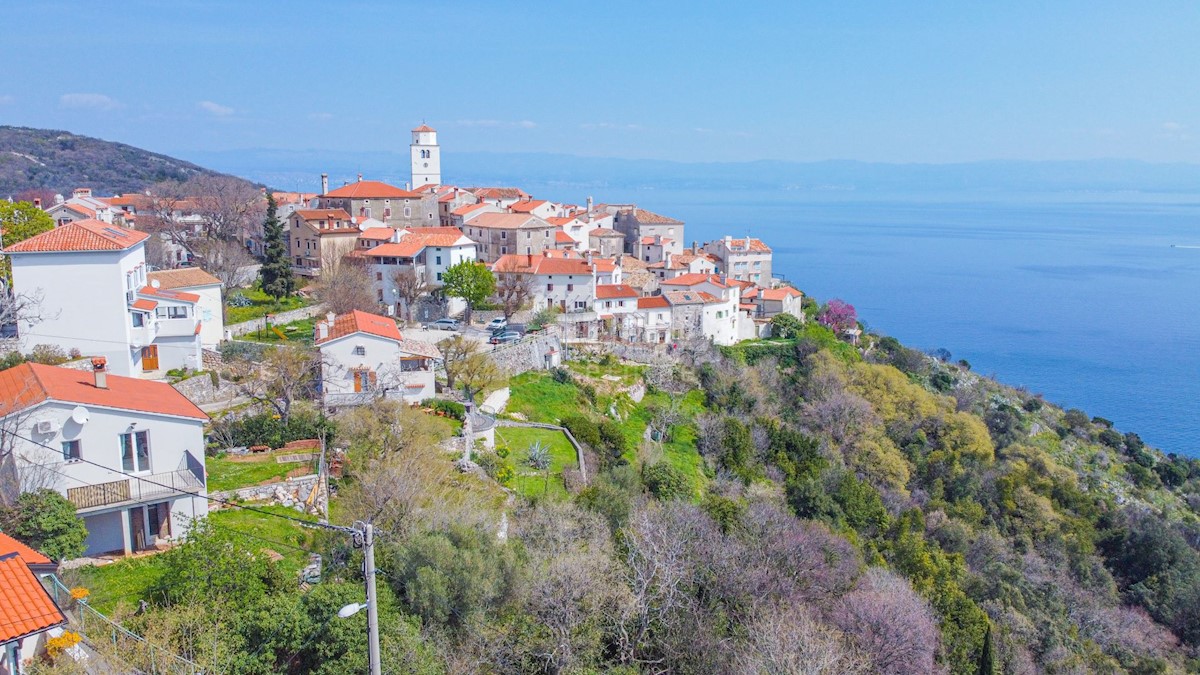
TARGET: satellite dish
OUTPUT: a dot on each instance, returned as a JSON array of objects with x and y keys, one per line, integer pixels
[
  {"x": 155, "y": 283},
  {"x": 79, "y": 415}
]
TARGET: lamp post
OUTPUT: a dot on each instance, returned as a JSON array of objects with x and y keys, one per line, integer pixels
[{"x": 372, "y": 604}]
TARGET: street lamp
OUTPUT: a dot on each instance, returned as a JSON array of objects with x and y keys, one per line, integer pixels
[{"x": 351, "y": 609}]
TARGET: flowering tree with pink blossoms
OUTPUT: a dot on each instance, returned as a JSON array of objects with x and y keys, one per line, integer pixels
[{"x": 838, "y": 315}]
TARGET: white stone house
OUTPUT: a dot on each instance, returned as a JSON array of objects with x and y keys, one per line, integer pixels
[
  {"x": 562, "y": 279},
  {"x": 207, "y": 288},
  {"x": 700, "y": 314},
  {"x": 82, "y": 206},
  {"x": 92, "y": 281},
  {"x": 652, "y": 323},
  {"x": 127, "y": 452},
  {"x": 616, "y": 306},
  {"x": 428, "y": 251},
  {"x": 364, "y": 357},
  {"x": 745, "y": 259}
]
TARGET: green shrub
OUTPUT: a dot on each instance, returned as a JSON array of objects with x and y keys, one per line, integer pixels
[
  {"x": 665, "y": 482},
  {"x": 46, "y": 521},
  {"x": 451, "y": 409},
  {"x": 583, "y": 429},
  {"x": 50, "y": 355}
]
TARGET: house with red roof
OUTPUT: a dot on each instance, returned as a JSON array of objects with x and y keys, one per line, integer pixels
[
  {"x": 127, "y": 452},
  {"x": 500, "y": 234},
  {"x": 96, "y": 299},
  {"x": 747, "y": 258},
  {"x": 319, "y": 238},
  {"x": 364, "y": 357},
  {"x": 27, "y": 610},
  {"x": 426, "y": 251},
  {"x": 83, "y": 206},
  {"x": 637, "y": 223},
  {"x": 397, "y": 207}
]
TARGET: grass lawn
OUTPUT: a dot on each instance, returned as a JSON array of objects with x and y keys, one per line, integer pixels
[
  {"x": 540, "y": 399},
  {"x": 528, "y": 481},
  {"x": 124, "y": 582},
  {"x": 226, "y": 474},
  {"x": 299, "y": 332},
  {"x": 261, "y": 304},
  {"x": 629, "y": 373}
]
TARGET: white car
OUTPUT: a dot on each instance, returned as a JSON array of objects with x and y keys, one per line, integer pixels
[{"x": 497, "y": 324}]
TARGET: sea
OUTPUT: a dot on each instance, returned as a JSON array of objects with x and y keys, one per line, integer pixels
[{"x": 1091, "y": 300}]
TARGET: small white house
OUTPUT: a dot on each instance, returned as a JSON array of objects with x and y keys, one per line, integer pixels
[
  {"x": 91, "y": 280},
  {"x": 364, "y": 357},
  {"x": 127, "y": 452},
  {"x": 208, "y": 309}
]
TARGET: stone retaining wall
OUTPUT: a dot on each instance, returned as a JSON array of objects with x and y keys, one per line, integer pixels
[
  {"x": 280, "y": 319},
  {"x": 541, "y": 351},
  {"x": 200, "y": 389},
  {"x": 294, "y": 489},
  {"x": 571, "y": 438}
]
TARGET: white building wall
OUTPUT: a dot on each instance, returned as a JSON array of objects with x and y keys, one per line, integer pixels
[
  {"x": 381, "y": 356},
  {"x": 83, "y": 302},
  {"x": 209, "y": 311},
  {"x": 720, "y": 321},
  {"x": 579, "y": 298}
]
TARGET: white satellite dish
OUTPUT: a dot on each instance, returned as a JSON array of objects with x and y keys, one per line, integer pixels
[
  {"x": 155, "y": 283},
  {"x": 80, "y": 415}
]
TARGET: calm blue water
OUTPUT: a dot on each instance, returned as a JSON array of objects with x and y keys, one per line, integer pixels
[{"x": 1086, "y": 303}]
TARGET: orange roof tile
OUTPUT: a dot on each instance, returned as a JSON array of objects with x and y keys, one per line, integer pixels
[
  {"x": 184, "y": 277},
  {"x": 377, "y": 233},
  {"x": 499, "y": 192},
  {"x": 644, "y": 216},
  {"x": 25, "y": 605},
  {"x": 405, "y": 248},
  {"x": 424, "y": 128},
  {"x": 695, "y": 278},
  {"x": 29, "y": 384},
  {"x": 322, "y": 214},
  {"x": 690, "y": 297},
  {"x": 559, "y": 220},
  {"x": 507, "y": 221},
  {"x": 167, "y": 294},
  {"x": 435, "y": 236},
  {"x": 781, "y": 293},
  {"x": 610, "y": 291},
  {"x": 371, "y": 189},
  {"x": 754, "y": 246},
  {"x": 144, "y": 304},
  {"x": 653, "y": 302},
  {"x": 468, "y": 208},
  {"x": 81, "y": 235},
  {"x": 362, "y": 322},
  {"x": 605, "y": 232},
  {"x": 649, "y": 241},
  {"x": 28, "y": 554},
  {"x": 563, "y": 238},
  {"x": 526, "y": 206}
]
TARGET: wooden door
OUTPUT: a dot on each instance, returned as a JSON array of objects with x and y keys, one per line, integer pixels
[
  {"x": 137, "y": 528},
  {"x": 150, "y": 358}
]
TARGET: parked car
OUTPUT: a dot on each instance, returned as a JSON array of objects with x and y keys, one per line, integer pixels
[
  {"x": 442, "y": 324},
  {"x": 505, "y": 337},
  {"x": 497, "y": 324}
]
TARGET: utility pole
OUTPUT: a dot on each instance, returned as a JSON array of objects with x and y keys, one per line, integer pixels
[{"x": 372, "y": 600}]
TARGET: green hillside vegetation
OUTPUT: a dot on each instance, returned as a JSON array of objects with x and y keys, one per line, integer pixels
[
  {"x": 786, "y": 504},
  {"x": 59, "y": 161}
]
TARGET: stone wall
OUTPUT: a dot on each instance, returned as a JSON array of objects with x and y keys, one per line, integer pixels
[
  {"x": 280, "y": 319},
  {"x": 291, "y": 489},
  {"x": 533, "y": 352},
  {"x": 200, "y": 389}
]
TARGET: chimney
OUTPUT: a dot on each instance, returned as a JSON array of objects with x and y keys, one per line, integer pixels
[
  {"x": 37, "y": 202},
  {"x": 324, "y": 183},
  {"x": 658, "y": 240},
  {"x": 360, "y": 177},
  {"x": 666, "y": 260},
  {"x": 330, "y": 317},
  {"x": 82, "y": 192},
  {"x": 99, "y": 365},
  {"x": 321, "y": 330},
  {"x": 589, "y": 204}
]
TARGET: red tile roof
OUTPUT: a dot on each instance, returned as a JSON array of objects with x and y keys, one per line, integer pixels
[
  {"x": 499, "y": 192},
  {"x": 653, "y": 302},
  {"x": 694, "y": 279},
  {"x": 25, "y": 606},
  {"x": 690, "y": 297},
  {"x": 81, "y": 235},
  {"x": 371, "y": 189},
  {"x": 406, "y": 248},
  {"x": 184, "y": 277},
  {"x": 610, "y": 291},
  {"x": 542, "y": 264},
  {"x": 435, "y": 236},
  {"x": 649, "y": 217},
  {"x": 559, "y": 220},
  {"x": 29, "y": 384},
  {"x": 507, "y": 221},
  {"x": 424, "y": 128},
  {"x": 377, "y": 233},
  {"x": 167, "y": 294},
  {"x": 526, "y": 206},
  {"x": 468, "y": 208},
  {"x": 322, "y": 214},
  {"x": 781, "y": 293},
  {"x": 740, "y": 245},
  {"x": 563, "y": 238},
  {"x": 142, "y": 303},
  {"x": 9, "y": 545},
  {"x": 604, "y": 232},
  {"x": 362, "y": 322},
  {"x": 649, "y": 241}
]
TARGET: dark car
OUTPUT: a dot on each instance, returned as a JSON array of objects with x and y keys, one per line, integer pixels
[{"x": 442, "y": 324}]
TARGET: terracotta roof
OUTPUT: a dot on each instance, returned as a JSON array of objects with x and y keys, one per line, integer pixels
[
  {"x": 371, "y": 189},
  {"x": 690, "y": 297},
  {"x": 420, "y": 349},
  {"x": 559, "y": 220},
  {"x": 378, "y": 233},
  {"x": 740, "y": 245},
  {"x": 644, "y": 216},
  {"x": 542, "y": 264},
  {"x": 142, "y": 303},
  {"x": 782, "y": 293},
  {"x": 653, "y": 302},
  {"x": 695, "y": 278},
  {"x": 25, "y": 606},
  {"x": 167, "y": 294},
  {"x": 79, "y": 208},
  {"x": 8, "y": 545},
  {"x": 563, "y": 238},
  {"x": 649, "y": 241},
  {"x": 604, "y": 264},
  {"x": 526, "y": 206},
  {"x": 609, "y": 291},
  {"x": 81, "y": 235},
  {"x": 322, "y": 214},
  {"x": 184, "y": 277},
  {"x": 604, "y": 232},
  {"x": 424, "y": 127},
  {"x": 499, "y": 192},
  {"x": 435, "y": 236},
  {"x": 405, "y": 248},
  {"x": 508, "y": 221},
  {"x": 362, "y": 322},
  {"x": 29, "y": 384},
  {"x": 468, "y": 208}
]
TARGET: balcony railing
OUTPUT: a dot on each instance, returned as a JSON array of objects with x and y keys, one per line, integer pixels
[
  {"x": 149, "y": 488},
  {"x": 177, "y": 327}
]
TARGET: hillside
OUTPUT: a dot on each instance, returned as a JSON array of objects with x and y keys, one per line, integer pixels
[{"x": 47, "y": 159}]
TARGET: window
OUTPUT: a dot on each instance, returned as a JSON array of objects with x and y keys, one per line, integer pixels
[
  {"x": 139, "y": 320},
  {"x": 570, "y": 287},
  {"x": 621, "y": 303},
  {"x": 387, "y": 213},
  {"x": 503, "y": 250},
  {"x": 504, "y": 235},
  {"x": 608, "y": 304},
  {"x": 549, "y": 287},
  {"x": 379, "y": 276},
  {"x": 176, "y": 312},
  {"x": 70, "y": 450},
  {"x": 407, "y": 212},
  {"x": 528, "y": 234},
  {"x": 360, "y": 350},
  {"x": 438, "y": 260},
  {"x": 439, "y": 276},
  {"x": 379, "y": 295},
  {"x": 135, "y": 451}
]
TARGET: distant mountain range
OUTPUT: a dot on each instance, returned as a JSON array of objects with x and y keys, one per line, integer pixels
[
  {"x": 48, "y": 159},
  {"x": 61, "y": 161}
]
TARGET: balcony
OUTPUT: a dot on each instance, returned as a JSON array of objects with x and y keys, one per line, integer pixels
[
  {"x": 177, "y": 327},
  {"x": 154, "y": 487},
  {"x": 142, "y": 336}
]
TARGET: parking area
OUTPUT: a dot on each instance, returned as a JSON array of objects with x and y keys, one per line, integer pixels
[{"x": 417, "y": 332}]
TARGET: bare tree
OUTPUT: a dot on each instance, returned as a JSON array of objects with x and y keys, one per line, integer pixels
[
  {"x": 891, "y": 623},
  {"x": 230, "y": 208},
  {"x": 664, "y": 417},
  {"x": 409, "y": 287},
  {"x": 345, "y": 285},
  {"x": 787, "y": 639},
  {"x": 279, "y": 377},
  {"x": 513, "y": 289},
  {"x": 225, "y": 259},
  {"x": 468, "y": 366}
]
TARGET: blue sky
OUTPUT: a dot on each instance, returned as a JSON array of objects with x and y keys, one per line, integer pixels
[{"x": 897, "y": 82}]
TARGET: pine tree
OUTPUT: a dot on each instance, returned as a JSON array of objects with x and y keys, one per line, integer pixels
[{"x": 276, "y": 271}]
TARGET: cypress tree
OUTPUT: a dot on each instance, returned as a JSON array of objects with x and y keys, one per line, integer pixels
[
  {"x": 276, "y": 271},
  {"x": 987, "y": 659}
]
